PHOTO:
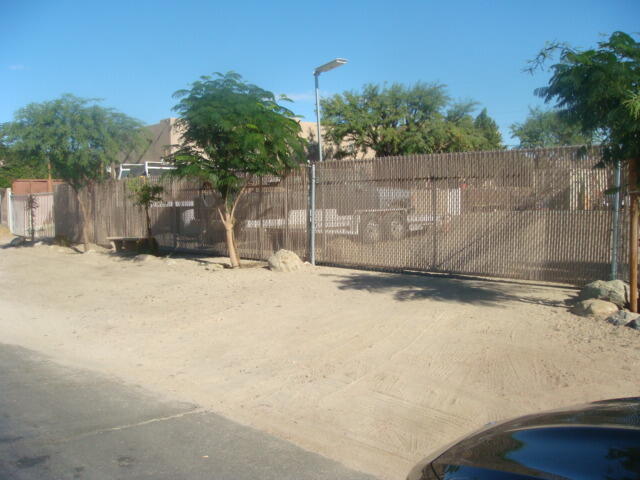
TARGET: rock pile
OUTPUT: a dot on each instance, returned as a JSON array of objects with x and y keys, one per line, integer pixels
[
  {"x": 606, "y": 300},
  {"x": 284, "y": 261}
]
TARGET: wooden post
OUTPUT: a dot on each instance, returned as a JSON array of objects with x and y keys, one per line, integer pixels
[
  {"x": 633, "y": 237},
  {"x": 94, "y": 212},
  {"x": 434, "y": 223},
  {"x": 176, "y": 211},
  {"x": 49, "y": 181},
  {"x": 260, "y": 211}
]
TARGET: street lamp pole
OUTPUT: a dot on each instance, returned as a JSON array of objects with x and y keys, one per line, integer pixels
[{"x": 312, "y": 194}]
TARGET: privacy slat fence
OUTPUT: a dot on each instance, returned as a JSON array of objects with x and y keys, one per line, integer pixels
[
  {"x": 4, "y": 211},
  {"x": 32, "y": 215},
  {"x": 528, "y": 214}
]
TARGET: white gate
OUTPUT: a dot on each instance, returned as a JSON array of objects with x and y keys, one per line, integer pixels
[{"x": 33, "y": 217}]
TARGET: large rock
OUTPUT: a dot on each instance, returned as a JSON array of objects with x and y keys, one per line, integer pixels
[
  {"x": 284, "y": 261},
  {"x": 595, "y": 308},
  {"x": 622, "y": 317},
  {"x": 613, "y": 291}
]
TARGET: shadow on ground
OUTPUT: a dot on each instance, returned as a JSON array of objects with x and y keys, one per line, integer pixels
[
  {"x": 407, "y": 287},
  {"x": 22, "y": 242},
  {"x": 136, "y": 255}
]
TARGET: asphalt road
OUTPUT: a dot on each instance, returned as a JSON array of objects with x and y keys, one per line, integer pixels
[{"x": 63, "y": 423}]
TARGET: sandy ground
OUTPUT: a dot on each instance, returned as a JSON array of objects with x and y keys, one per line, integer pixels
[{"x": 374, "y": 370}]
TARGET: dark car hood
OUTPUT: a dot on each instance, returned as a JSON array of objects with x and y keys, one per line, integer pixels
[{"x": 598, "y": 440}]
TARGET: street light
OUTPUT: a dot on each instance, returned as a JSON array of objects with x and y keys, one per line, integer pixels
[
  {"x": 335, "y": 63},
  {"x": 312, "y": 214}
]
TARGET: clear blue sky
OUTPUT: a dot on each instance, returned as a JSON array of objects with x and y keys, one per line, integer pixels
[{"x": 134, "y": 54}]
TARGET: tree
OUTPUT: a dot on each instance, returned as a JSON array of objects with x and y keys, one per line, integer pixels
[
  {"x": 13, "y": 167},
  {"x": 232, "y": 131},
  {"x": 546, "y": 128},
  {"x": 598, "y": 89},
  {"x": 488, "y": 128},
  {"x": 633, "y": 105},
  {"x": 32, "y": 207},
  {"x": 144, "y": 194},
  {"x": 329, "y": 151},
  {"x": 76, "y": 136},
  {"x": 399, "y": 120}
]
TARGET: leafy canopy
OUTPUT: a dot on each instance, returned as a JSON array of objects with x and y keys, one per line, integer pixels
[
  {"x": 78, "y": 137},
  {"x": 232, "y": 130},
  {"x": 13, "y": 167},
  {"x": 598, "y": 89},
  {"x": 398, "y": 120},
  {"x": 546, "y": 128},
  {"x": 144, "y": 193}
]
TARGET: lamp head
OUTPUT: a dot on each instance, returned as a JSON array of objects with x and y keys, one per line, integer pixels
[{"x": 329, "y": 66}]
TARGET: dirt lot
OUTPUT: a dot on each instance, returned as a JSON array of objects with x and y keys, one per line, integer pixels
[{"x": 374, "y": 370}]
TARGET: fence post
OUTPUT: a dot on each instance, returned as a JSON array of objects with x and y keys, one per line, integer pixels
[
  {"x": 9, "y": 210},
  {"x": 312, "y": 214},
  {"x": 287, "y": 242},
  {"x": 94, "y": 214},
  {"x": 125, "y": 226},
  {"x": 633, "y": 237},
  {"x": 615, "y": 233},
  {"x": 32, "y": 205},
  {"x": 176, "y": 212},
  {"x": 261, "y": 226},
  {"x": 434, "y": 223}
]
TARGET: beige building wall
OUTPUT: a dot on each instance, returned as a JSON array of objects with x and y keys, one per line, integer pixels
[
  {"x": 310, "y": 132},
  {"x": 162, "y": 136},
  {"x": 165, "y": 135}
]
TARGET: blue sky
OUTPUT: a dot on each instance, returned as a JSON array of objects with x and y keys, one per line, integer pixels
[{"x": 134, "y": 54}]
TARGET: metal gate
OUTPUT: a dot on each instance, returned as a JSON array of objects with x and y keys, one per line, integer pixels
[{"x": 32, "y": 215}]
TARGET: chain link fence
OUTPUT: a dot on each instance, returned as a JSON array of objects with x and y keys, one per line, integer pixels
[{"x": 539, "y": 214}]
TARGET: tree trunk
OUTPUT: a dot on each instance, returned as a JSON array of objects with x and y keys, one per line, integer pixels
[
  {"x": 151, "y": 242},
  {"x": 228, "y": 220},
  {"x": 32, "y": 216},
  {"x": 231, "y": 245},
  {"x": 148, "y": 219}
]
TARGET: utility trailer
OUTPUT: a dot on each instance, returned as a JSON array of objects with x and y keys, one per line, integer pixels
[{"x": 395, "y": 214}]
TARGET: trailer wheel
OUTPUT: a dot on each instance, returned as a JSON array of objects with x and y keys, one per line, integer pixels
[
  {"x": 370, "y": 230},
  {"x": 396, "y": 227}
]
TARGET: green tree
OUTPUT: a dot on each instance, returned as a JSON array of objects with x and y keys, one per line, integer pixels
[
  {"x": 633, "y": 105},
  {"x": 399, "y": 120},
  {"x": 13, "y": 167},
  {"x": 546, "y": 128},
  {"x": 488, "y": 128},
  {"x": 597, "y": 89},
  {"x": 144, "y": 194},
  {"x": 232, "y": 131},
  {"x": 78, "y": 137}
]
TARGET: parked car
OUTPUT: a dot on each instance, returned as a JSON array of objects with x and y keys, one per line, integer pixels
[{"x": 600, "y": 440}]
